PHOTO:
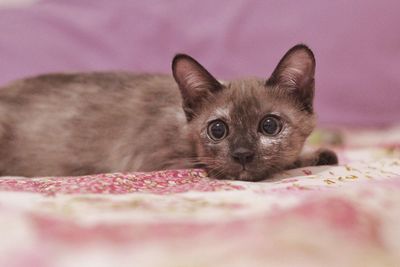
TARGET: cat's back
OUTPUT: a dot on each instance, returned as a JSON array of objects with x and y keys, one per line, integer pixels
[
  {"x": 89, "y": 95},
  {"x": 62, "y": 124},
  {"x": 81, "y": 85}
]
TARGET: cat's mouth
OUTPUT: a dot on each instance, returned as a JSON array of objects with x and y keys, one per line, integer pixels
[
  {"x": 235, "y": 173},
  {"x": 245, "y": 175}
]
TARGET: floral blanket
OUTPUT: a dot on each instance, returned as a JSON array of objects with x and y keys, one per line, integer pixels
[{"x": 346, "y": 215}]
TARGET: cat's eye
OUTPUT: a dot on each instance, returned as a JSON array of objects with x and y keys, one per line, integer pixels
[
  {"x": 271, "y": 125},
  {"x": 217, "y": 130}
]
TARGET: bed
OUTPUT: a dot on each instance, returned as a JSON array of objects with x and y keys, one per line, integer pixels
[{"x": 345, "y": 215}]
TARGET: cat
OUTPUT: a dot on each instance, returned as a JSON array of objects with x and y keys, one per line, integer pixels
[{"x": 88, "y": 123}]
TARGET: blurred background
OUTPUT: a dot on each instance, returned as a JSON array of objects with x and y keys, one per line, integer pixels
[{"x": 356, "y": 43}]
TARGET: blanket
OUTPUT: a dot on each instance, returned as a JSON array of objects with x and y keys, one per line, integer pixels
[{"x": 345, "y": 215}]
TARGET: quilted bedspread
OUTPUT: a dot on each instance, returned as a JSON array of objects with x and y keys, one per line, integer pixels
[{"x": 346, "y": 215}]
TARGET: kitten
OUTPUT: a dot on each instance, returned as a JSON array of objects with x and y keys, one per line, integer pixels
[{"x": 77, "y": 124}]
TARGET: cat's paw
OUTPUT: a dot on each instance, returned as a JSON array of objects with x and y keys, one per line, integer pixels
[{"x": 326, "y": 157}]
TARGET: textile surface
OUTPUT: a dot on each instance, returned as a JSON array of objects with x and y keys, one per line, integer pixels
[{"x": 345, "y": 215}]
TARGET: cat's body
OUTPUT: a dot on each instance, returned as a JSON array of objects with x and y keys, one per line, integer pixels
[{"x": 76, "y": 124}]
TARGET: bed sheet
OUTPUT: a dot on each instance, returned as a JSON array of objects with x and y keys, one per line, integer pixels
[{"x": 346, "y": 215}]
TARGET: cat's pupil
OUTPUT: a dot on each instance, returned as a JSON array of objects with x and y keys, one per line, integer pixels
[
  {"x": 217, "y": 130},
  {"x": 270, "y": 126}
]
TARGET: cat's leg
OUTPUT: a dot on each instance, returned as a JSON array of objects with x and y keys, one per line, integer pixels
[{"x": 319, "y": 157}]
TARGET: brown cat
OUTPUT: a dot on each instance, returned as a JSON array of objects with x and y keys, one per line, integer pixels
[{"x": 76, "y": 124}]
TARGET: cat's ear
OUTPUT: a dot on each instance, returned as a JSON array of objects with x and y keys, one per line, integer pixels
[
  {"x": 196, "y": 84},
  {"x": 295, "y": 72}
]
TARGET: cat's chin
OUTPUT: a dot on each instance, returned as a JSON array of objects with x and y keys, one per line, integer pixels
[
  {"x": 244, "y": 176},
  {"x": 249, "y": 177},
  {"x": 238, "y": 174}
]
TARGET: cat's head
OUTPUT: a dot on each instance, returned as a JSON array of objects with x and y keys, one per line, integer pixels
[{"x": 251, "y": 128}]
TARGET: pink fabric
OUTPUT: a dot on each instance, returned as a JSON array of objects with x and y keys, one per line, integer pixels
[
  {"x": 355, "y": 42},
  {"x": 317, "y": 216},
  {"x": 345, "y": 215},
  {"x": 161, "y": 182}
]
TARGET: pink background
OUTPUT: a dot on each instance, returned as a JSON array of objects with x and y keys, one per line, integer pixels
[{"x": 357, "y": 44}]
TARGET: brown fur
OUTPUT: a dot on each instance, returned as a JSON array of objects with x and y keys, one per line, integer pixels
[{"x": 76, "y": 124}]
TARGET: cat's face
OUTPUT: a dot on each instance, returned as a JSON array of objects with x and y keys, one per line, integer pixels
[{"x": 249, "y": 129}]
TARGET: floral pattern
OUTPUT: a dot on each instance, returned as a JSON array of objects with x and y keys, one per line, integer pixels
[
  {"x": 161, "y": 182},
  {"x": 346, "y": 215}
]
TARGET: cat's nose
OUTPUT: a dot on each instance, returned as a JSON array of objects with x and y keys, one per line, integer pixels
[{"x": 242, "y": 155}]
